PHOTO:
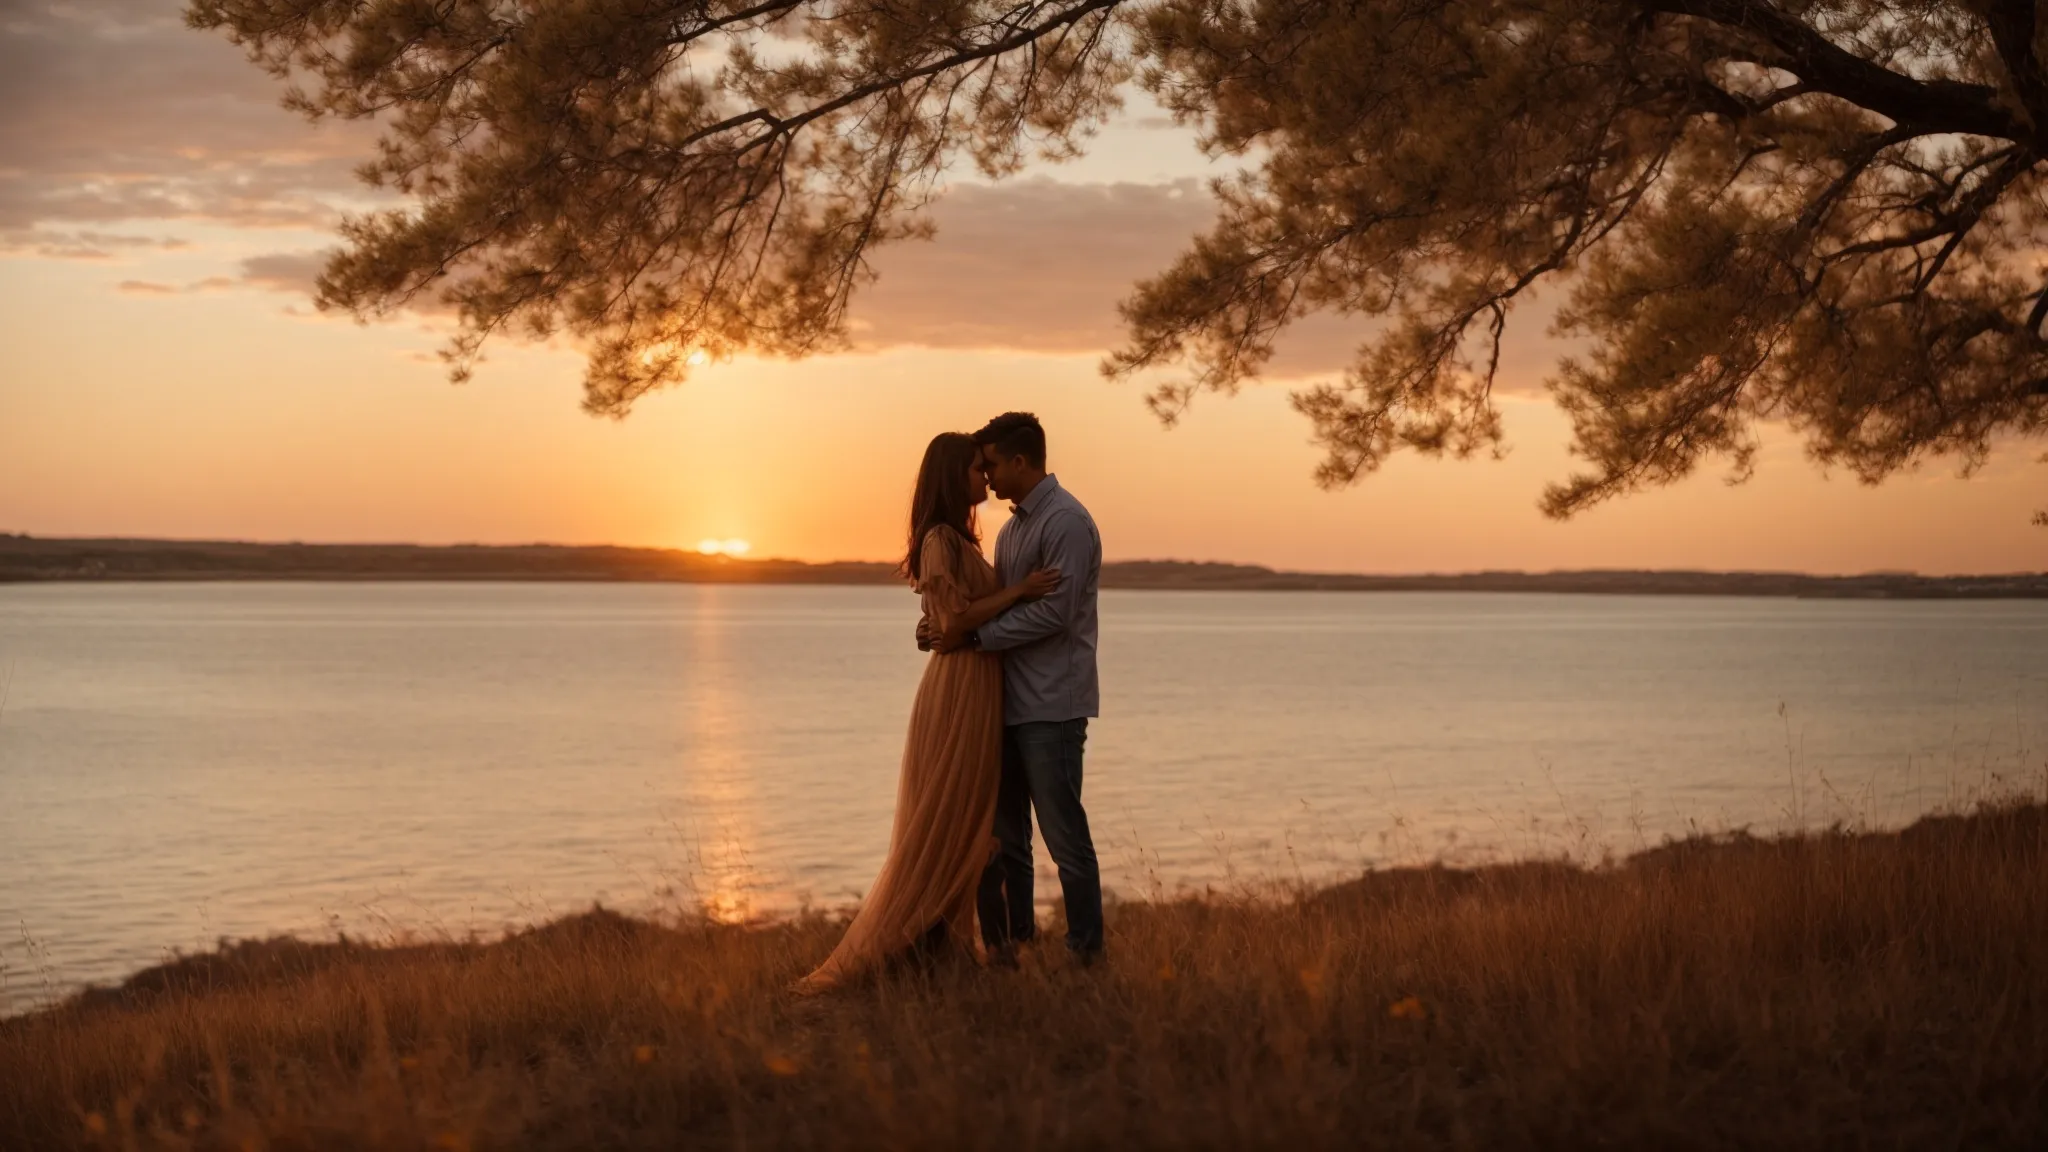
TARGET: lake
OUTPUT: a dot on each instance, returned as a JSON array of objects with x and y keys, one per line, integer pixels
[{"x": 181, "y": 762}]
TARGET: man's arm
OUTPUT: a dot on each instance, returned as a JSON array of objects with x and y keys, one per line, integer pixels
[{"x": 1071, "y": 547}]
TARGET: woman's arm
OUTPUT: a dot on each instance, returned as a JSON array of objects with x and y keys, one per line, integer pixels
[
  {"x": 995, "y": 604},
  {"x": 951, "y": 614}
]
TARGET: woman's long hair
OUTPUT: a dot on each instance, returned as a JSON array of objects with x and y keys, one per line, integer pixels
[{"x": 942, "y": 498}]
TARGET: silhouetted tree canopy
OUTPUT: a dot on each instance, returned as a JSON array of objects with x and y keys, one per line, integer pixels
[{"x": 1827, "y": 214}]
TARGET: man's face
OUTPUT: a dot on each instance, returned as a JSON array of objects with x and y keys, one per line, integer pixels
[{"x": 1001, "y": 473}]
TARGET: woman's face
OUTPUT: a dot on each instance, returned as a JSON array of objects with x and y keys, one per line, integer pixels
[{"x": 977, "y": 480}]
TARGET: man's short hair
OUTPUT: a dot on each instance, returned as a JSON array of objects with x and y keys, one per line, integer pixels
[{"x": 1015, "y": 434}]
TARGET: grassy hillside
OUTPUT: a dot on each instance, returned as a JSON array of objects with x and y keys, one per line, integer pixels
[{"x": 1869, "y": 989}]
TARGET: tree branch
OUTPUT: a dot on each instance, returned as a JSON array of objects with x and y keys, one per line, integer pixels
[
  {"x": 2012, "y": 31},
  {"x": 1023, "y": 36},
  {"x": 2039, "y": 313},
  {"x": 698, "y": 31},
  {"x": 1854, "y": 164},
  {"x": 1952, "y": 224},
  {"x": 1824, "y": 66},
  {"x": 1972, "y": 210}
]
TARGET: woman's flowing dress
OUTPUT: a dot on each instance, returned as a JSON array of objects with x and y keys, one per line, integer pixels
[{"x": 946, "y": 796}]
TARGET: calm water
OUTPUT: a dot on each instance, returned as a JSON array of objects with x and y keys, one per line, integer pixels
[{"x": 182, "y": 762}]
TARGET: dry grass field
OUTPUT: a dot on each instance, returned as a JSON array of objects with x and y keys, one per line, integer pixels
[{"x": 1842, "y": 989}]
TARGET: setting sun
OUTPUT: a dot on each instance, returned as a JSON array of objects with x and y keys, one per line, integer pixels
[{"x": 711, "y": 547}]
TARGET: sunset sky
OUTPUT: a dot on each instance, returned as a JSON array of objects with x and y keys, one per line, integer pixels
[{"x": 165, "y": 374}]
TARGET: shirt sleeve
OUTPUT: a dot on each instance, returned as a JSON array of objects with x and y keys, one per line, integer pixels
[
  {"x": 1071, "y": 547},
  {"x": 938, "y": 588}
]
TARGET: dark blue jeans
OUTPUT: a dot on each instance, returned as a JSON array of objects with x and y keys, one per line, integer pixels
[{"x": 1042, "y": 770}]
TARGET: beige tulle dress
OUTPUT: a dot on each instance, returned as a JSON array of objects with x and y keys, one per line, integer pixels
[{"x": 946, "y": 797}]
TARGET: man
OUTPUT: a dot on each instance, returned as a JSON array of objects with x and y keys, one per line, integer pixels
[{"x": 1049, "y": 692}]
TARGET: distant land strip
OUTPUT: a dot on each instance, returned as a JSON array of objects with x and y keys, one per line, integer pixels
[{"x": 28, "y": 558}]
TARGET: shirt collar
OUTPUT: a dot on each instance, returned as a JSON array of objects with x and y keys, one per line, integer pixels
[{"x": 1037, "y": 498}]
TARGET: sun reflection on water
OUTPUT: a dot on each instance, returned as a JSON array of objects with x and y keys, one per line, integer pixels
[{"x": 722, "y": 794}]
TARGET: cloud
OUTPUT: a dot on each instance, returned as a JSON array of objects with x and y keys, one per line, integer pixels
[
  {"x": 118, "y": 112},
  {"x": 284, "y": 271},
  {"x": 59, "y": 244},
  {"x": 1039, "y": 265},
  {"x": 1032, "y": 266},
  {"x": 290, "y": 272},
  {"x": 1036, "y": 264}
]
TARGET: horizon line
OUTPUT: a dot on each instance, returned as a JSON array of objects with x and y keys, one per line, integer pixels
[{"x": 720, "y": 558}]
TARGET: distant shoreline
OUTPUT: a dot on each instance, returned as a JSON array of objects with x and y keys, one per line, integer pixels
[{"x": 29, "y": 559}]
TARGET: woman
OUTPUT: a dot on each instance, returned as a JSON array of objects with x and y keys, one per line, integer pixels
[{"x": 945, "y": 799}]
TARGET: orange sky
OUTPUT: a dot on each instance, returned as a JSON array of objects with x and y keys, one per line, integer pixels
[{"x": 163, "y": 376}]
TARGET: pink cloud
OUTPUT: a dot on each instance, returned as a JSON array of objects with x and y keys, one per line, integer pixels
[{"x": 117, "y": 111}]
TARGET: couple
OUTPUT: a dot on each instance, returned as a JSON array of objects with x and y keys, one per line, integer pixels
[{"x": 1000, "y": 717}]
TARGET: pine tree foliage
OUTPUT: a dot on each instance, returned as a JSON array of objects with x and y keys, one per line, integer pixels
[{"x": 1823, "y": 213}]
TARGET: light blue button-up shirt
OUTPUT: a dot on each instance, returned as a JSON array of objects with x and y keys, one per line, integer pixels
[{"x": 1048, "y": 645}]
